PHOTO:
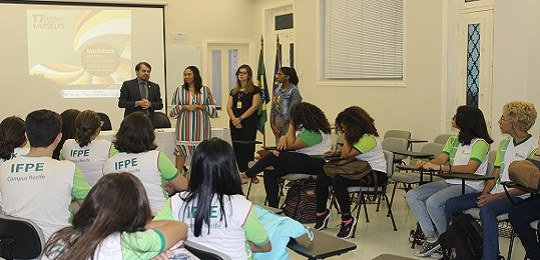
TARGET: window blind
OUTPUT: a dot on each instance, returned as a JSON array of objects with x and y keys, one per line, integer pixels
[{"x": 363, "y": 39}]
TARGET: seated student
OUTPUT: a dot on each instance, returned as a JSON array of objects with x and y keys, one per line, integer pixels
[
  {"x": 113, "y": 223},
  {"x": 226, "y": 220},
  {"x": 138, "y": 156},
  {"x": 12, "y": 138},
  {"x": 36, "y": 186},
  {"x": 361, "y": 142},
  {"x": 466, "y": 153},
  {"x": 309, "y": 134},
  {"x": 85, "y": 151},
  {"x": 68, "y": 129},
  {"x": 516, "y": 120}
]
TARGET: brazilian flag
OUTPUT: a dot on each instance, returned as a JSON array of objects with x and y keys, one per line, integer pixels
[{"x": 265, "y": 98}]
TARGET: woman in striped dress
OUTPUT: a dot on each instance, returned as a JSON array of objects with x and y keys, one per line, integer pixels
[{"x": 193, "y": 106}]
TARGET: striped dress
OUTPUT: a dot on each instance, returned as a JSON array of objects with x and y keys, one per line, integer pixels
[{"x": 192, "y": 127}]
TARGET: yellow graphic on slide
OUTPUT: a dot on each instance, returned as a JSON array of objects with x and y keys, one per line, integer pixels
[{"x": 84, "y": 47}]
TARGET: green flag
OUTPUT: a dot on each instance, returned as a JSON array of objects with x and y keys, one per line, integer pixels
[{"x": 261, "y": 82}]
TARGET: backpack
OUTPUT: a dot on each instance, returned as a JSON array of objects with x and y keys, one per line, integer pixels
[
  {"x": 463, "y": 240},
  {"x": 301, "y": 201}
]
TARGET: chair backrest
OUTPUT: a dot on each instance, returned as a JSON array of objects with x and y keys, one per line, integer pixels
[
  {"x": 161, "y": 120},
  {"x": 397, "y": 133},
  {"x": 106, "y": 121},
  {"x": 442, "y": 138},
  {"x": 204, "y": 252},
  {"x": 20, "y": 238},
  {"x": 432, "y": 148},
  {"x": 389, "y": 156},
  {"x": 395, "y": 144}
]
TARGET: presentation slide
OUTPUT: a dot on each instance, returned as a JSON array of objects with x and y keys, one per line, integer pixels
[{"x": 74, "y": 56}]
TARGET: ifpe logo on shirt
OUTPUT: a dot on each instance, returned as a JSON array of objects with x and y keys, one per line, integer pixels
[
  {"x": 22, "y": 168},
  {"x": 27, "y": 167},
  {"x": 123, "y": 164}
]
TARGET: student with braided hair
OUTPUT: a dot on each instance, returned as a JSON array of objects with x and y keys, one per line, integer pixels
[
  {"x": 87, "y": 152},
  {"x": 308, "y": 134}
]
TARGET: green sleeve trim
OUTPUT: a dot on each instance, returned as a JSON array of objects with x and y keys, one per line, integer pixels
[
  {"x": 162, "y": 239},
  {"x": 81, "y": 188},
  {"x": 448, "y": 153},
  {"x": 61, "y": 156},
  {"x": 476, "y": 159},
  {"x": 166, "y": 167},
  {"x": 261, "y": 244},
  {"x": 175, "y": 175}
]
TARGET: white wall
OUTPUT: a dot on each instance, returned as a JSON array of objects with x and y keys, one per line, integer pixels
[
  {"x": 516, "y": 59},
  {"x": 415, "y": 107}
]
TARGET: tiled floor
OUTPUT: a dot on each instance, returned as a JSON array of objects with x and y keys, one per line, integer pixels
[{"x": 377, "y": 237}]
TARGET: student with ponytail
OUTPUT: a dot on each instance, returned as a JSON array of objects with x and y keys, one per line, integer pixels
[{"x": 87, "y": 152}]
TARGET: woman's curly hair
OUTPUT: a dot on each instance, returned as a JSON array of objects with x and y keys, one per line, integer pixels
[
  {"x": 357, "y": 122},
  {"x": 310, "y": 117}
]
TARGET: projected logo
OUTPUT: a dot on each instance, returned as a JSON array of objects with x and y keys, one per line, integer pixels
[{"x": 74, "y": 47}]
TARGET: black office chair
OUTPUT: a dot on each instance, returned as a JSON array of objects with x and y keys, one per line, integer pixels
[
  {"x": 161, "y": 120},
  {"x": 106, "y": 122},
  {"x": 20, "y": 238},
  {"x": 204, "y": 252}
]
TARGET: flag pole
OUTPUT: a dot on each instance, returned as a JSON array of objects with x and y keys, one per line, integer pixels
[{"x": 264, "y": 128}]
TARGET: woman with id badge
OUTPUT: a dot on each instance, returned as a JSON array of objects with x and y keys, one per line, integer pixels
[{"x": 242, "y": 107}]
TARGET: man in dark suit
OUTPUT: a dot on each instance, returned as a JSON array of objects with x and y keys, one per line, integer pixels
[{"x": 140, "y": 94}]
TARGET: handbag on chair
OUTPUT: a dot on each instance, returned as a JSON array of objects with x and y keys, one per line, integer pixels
[{"x": 349, "y": 168}]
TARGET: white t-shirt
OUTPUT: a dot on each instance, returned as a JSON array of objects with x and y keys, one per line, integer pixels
[
  {"x": 513, "y": 152},
  {"x": 461, "y": 154},
  {"x": 18, "y": 151},
  {"x": 145, "y": 167},
  {"x": 90, "y": 159},
  {"x": 40, "y": 189},
  {"x": 375, "y": 157},
  {"x": 315, "y": 149},
  {"x": 230, "y": 240}
]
